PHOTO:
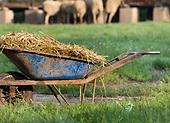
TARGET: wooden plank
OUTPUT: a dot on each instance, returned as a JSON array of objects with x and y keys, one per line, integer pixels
[
  {"x": 140, "y": 2},
  {"x": 147, "y": 3},
  {"x": 38, "y": 82}
]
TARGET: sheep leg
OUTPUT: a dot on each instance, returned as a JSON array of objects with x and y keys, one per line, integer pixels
[
  {"x": 94, "y": 17},
  {"x": 75, "y": 18},
  {"x": 68, "y": 18},
  {"x": 105, "y": 17},
  {"x": 81, "y": 19},
  {"x": 111, "y": 15},
  {"x": 100, "y": 18},
  {"x": 47, "y": 19}
]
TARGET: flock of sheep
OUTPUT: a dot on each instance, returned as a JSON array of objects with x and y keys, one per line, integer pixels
[{"x": 102, "y": 10}]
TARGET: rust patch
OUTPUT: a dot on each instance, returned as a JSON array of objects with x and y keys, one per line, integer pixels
[{"x": 55, "y": 72}]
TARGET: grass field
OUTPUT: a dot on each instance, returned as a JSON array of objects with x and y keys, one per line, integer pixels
[
  {"x": 146, "y": 78},
  {"x": 139, "y": 111}
]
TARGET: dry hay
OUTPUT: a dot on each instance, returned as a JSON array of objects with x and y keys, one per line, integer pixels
[{"x": 46, "y": 44}]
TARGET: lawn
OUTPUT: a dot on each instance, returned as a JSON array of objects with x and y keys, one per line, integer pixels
[
  {"x": 139, "y": 111},
  {"x": 145, "y": 83}
]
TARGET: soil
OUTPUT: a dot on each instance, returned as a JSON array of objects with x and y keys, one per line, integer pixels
[{"x": 38, "y": 98}]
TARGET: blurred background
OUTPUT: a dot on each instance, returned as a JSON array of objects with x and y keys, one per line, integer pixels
[{"x": 83, "y": 11}]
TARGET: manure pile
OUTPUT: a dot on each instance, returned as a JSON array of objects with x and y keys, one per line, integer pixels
[{"x": 45, "y": 44}]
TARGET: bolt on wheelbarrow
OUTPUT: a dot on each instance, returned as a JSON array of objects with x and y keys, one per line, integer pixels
[{"x": 52, "y": 70}]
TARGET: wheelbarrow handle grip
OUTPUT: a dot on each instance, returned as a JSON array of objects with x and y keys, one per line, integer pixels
[
  {"x": 118, "y": 58},
  {"x": 151, "y": 53},
  {"x": 146, "y": 53}
]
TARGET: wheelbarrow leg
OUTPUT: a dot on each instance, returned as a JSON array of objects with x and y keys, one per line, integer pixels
[
  {"x": 53, "y": 88},
  {"x": 104, "y": 87},
  {"x": 82, "y": 93},
  {"x": 94, "y": 90},
  {"x": 62, "y": 96},
  {"x": 54, "y": 93}
]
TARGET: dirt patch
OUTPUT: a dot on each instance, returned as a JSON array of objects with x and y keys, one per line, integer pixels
[{"x": 50, "y": 98}]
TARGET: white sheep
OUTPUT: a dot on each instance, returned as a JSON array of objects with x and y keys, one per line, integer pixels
[
  {"x": 96, "y": 7},
  {"x": 111, "y": 9},
  {"x": 51, "y": 8},
  {"x": 80, "y": 10}
]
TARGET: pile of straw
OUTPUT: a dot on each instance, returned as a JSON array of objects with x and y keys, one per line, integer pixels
[{"x": 46, "y": 44}]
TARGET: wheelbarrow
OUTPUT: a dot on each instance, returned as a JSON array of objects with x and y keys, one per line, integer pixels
[{"x": 53, "y": 70}]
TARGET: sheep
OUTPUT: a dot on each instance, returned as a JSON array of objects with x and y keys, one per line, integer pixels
[
  {"x": 111, "y": 8},
  {"x": 51, "y": 8},
  {"x": 96, "y": 7},
  {"x": 77, "y": 8},
  {"x": 80, "y": 10},
  {"x": 97, "y": 10},
  {"x": 67, "y": 9}
]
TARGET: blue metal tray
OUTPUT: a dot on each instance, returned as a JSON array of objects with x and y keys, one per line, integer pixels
[{"x": 41, "y": 66}]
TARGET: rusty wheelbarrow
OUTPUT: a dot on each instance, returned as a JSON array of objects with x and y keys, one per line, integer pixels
[{"x": 52, "y": 70}]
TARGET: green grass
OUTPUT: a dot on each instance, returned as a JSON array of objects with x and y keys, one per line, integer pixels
[
  {"x": 111, "y": 40},
  {"x": 144, "y": 111}
]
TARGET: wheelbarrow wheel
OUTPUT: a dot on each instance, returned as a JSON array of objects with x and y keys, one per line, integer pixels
[{"x": 14, "y": 93}]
